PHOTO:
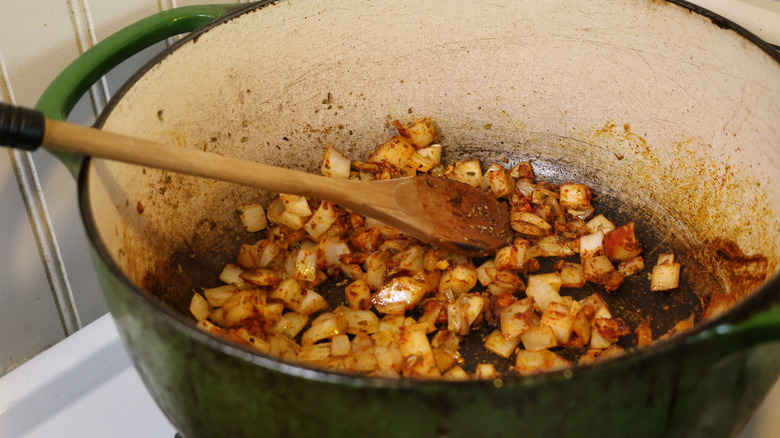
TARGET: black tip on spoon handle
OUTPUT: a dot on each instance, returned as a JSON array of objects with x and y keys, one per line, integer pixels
[{"x": 21, "y": 128}]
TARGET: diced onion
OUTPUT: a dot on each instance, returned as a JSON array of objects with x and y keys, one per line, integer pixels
[
  {"x": 335, "y": 164},
  {"x": 253, "y": 217},
  {"x": 199, "y": 307},
  {"x": 665, "y": 277},
  {"x": 469, "y": 172},
  {"x": 407, "y": 306}
]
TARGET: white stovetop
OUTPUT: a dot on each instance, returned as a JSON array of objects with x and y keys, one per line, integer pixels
[
  {"x": 86, "y": 387},
  {"x": 82, "y": 387}
]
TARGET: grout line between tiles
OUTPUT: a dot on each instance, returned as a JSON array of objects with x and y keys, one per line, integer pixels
[
  {"x": 40, "y": 222},
  {"x": 166, "y": 5},
  {"x": 85, "y": 34}
]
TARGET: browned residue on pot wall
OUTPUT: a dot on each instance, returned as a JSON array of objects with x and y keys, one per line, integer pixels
[
  {"x": 743, "y": 273},
  {"x": 725, "y": 208}
]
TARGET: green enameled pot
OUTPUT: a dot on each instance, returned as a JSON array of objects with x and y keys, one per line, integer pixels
[{"x": 666, "y": 108}]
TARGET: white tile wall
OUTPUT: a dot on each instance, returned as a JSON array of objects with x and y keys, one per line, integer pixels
[
  {"x": 37, "y": 40},
  {"x": 44, "y": 248}
]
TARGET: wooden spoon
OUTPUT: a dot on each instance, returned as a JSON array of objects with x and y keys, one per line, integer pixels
[{"x": 439, "y": 211}]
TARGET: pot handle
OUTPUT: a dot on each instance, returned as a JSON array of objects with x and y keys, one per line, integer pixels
[
  {"x": 758, "y": 328},
  {"x": 59, "y": 98}
]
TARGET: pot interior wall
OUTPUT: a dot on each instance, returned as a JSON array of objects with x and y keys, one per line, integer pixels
[{"x": 645, "y": 101}]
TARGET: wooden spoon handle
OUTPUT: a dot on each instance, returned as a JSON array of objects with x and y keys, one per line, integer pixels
[
  {"x": 28, "y": 129},
  {"x": 377, "y": 199},
  {"x": 438, "y": 211},
  {"x": 77, "y": 139}
]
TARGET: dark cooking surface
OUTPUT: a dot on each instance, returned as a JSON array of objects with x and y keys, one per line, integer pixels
[{"x": 193, "y": 268}]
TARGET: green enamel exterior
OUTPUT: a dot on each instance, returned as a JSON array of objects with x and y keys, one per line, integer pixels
[{"x": 706, "y": 385}]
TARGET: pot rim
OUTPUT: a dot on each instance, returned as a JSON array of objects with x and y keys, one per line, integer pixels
[{"x": 762, "y": 299}]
